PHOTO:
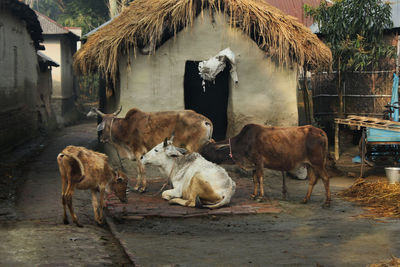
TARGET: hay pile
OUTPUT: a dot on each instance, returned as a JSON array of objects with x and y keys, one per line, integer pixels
[
  {"x": 393, "y": 262},
  {"x": 379, "y": 198}
]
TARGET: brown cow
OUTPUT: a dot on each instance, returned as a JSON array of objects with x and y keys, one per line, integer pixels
[
  {"x": 84, "y": 169},
  {"x": 140, "y": 131},
  {"x": 277, "y": 148}
]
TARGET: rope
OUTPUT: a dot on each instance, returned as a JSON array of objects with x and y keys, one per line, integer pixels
[{"x": 168, "y": 180}]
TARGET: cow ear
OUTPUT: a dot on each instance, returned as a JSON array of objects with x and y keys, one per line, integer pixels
[
  {"x": 165, "y": 142},
  {"x": 100, "y": 127}
]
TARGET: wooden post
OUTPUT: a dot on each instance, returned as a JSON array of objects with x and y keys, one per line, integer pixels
[
  {"x": 336, "y": 141},
  {"x": 363, "y": 151}
]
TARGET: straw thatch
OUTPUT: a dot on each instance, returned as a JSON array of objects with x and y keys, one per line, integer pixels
[
  {"x": 379, "y": 198},
  {"x": 393, "y": 262},
  {"x": 147, "y": 22}
]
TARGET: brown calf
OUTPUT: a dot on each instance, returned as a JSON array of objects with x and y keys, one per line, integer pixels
[
  {"x": 84, "y": 169},
  {"x": 277, "y": 148}
]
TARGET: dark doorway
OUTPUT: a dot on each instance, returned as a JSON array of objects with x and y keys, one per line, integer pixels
[{"x": 211, "y": 102}]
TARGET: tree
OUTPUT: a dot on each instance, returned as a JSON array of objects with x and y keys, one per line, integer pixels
[
  {"x": 87, "y": 14},
  {"x": 353, "y": 29}
]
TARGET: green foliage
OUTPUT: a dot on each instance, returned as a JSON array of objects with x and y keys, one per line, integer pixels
[
  {"x": 354, "y": 31},
  {"x": 87, "y": 14}
]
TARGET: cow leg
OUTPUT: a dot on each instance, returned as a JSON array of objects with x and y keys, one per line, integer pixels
[
  {"x": 102, "y": 190},
  {"x": 256, "y": 184},
  {"x": 141, "y": 182},
  {"x": 95, "y": 206},
  {"x": 182, "y": 202},
  {"x": 63, "y": 190},
  {"x": 284, "y": 189},
  {"x": 312, "y": 181},
  {"x": 200, "y": 191},
  {"x": 68, "y": 199},
  {"x": 258, "y": 176},
  {"x": 325, "y": 179},
  {"x": 170, "y": 194}
]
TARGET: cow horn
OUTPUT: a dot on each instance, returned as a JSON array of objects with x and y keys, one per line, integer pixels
[
  {"x": 218, "y": 147},
  {"x": 165, "y": 142},
  {"x": 118, "y": 111},
  {"x": 172, "y": 137},
  {"x": 95, "y": 110}
]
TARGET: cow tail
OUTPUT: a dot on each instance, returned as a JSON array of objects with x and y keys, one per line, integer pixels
[
  {"x": 209, "y": 128},
  {"x": 78, "y": 161},
  {"x": 226, "y": 197}
]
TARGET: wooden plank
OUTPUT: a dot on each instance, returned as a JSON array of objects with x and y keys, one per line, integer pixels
[
  {"x": 360, "y": 121},
  {"x": 336, "y": 141}
]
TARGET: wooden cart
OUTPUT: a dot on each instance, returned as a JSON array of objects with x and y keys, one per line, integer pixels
[{"x": 375, "y": 132}]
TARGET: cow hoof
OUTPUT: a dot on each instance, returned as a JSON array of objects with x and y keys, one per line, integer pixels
[
  {"x": 304, "y": 201},
  {"x": 142, "y": 190},
  {"x": 326, "y": 205},
  {"x": 78, "y": 224},
  {"x": 260, "y": 199},
  {"x": 100, "y": 223},
  {"x": 253, "y": 196}
]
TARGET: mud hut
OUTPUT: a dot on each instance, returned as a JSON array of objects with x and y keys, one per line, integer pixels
[{"x": 150, "y": 55}]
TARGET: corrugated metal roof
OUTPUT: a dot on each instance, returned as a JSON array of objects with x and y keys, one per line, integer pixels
[
  {"x": 47, "y": 59},
  {"x": 295, "y": 8}
]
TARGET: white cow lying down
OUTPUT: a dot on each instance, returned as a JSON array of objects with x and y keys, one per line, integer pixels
[{"x": 196, "y": 182}]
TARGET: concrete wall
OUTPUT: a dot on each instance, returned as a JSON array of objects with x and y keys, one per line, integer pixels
[
  {"x": 265, "y": 94},
  {"x": 18, "y": 82},
  {"x": 61, "y": 48},
  {"x": 46, "y": 116}
]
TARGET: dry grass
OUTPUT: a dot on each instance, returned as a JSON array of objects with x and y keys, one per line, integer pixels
[
  {"x": 389, "y": 263},
  {"x": 144, "y": 22},
  {"x": 379, "y": 198}
]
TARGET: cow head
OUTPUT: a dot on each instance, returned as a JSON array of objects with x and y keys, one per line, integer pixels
[
  {"x": 162, "y": 153},
  {"x": 105, "y": 125},
  {"x": 217, "y": 152},
  {"x": 118, "y": 185}
]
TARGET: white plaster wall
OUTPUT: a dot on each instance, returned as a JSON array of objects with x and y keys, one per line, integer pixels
[
  {"x": 265, "y": 94},
  {"x": 53, "y": 51}
]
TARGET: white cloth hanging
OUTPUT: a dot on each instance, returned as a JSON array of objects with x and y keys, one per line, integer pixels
[{"x": 209, "y": 69}]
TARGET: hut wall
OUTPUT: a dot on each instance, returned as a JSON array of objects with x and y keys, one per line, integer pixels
[
  {"x": 265, "y": 94},
  {"x": 18, "y": 82}
]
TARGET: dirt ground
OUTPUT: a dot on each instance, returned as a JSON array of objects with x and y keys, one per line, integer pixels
[
  {"x": 32, "y": 232},
  {"x": 31, "y": 228},
  {"x": 301, "y": 235}
]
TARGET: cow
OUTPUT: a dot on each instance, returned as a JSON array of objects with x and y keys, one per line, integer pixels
[
  {"x": 277, "y": 148},
  {"x": 84, "y": 169},
  {"x": 196, "y": 182},
  {"x": 140, "y": 131}
]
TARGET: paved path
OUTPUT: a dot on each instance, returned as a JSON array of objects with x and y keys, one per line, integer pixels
[
  {"x": 38, "y": 237},
  {"x": 150, "y": 204}
]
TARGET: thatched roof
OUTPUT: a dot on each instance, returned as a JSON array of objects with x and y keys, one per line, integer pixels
[{"x": 147, "y": 22}]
